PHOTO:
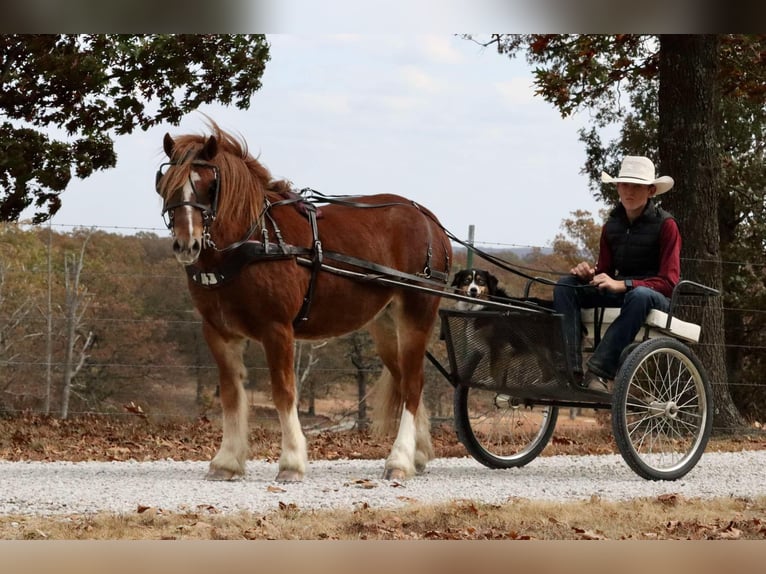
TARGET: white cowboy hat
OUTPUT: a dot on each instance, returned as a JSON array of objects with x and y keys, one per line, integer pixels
[{"x": 639, "y": 169}]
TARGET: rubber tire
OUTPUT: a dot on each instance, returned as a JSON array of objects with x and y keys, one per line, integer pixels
[
  {"x": 484, "y": 452},
  {"x": 647, "y": 394},
  {"x": 627, "y": 351}
]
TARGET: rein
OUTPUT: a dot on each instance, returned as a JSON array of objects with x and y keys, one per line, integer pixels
[
  {"x": 248, "y": 250},
  {"x": 503, "y": 264}
]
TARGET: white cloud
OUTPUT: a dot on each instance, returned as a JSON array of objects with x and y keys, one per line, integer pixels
[
  {"x": 441, "y": 49},
  {"x": 416, "y": 78},
  {"x": 517, "y": 91},
  {"x": 324, "y": 102},
  {"x": 399, "y": 103}
]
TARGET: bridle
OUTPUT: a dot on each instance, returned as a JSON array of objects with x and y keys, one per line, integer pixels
[{"x": 208, "y": 212}]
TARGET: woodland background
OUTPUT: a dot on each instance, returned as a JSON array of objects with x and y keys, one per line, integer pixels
[
  {"x": 98, "y": 322},
  {"x": 94, "y": 321}
]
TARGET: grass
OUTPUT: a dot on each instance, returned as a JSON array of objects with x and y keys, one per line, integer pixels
[{"x": 670, "y": 517}]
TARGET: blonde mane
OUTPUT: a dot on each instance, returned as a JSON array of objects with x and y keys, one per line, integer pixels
[{"x": 244, "y": 181}]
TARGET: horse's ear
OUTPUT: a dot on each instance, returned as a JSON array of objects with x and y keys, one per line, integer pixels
[
  {"x": 209, "y": 149},
  {"x": 168, "y": 144}
]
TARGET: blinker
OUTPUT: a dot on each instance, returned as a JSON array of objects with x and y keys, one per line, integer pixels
[{"x": 208, "y": 211}]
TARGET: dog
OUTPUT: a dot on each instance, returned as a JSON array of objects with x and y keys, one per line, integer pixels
[
  {"x": 494, "y": 353},
  {"x": 479, "y": 284},
  {"x": 479, "y": 335}
]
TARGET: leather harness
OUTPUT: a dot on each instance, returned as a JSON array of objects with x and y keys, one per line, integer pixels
[{"x": 249, "y": 250}]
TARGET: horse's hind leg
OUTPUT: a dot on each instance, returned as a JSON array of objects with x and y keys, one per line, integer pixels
[
  {"x": 402, "y": 350},
  {"x": 279, "y": 355},
  {"x": 229, "y": 462}
]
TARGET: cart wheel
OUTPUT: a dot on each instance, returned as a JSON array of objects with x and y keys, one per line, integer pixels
[
  {"x": 500, "y": 431},
  {"x": 627, "y": 351},
  {"x": 661, "y": 409}
]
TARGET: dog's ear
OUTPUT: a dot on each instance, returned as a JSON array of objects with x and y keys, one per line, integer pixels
[
  {"x": 492, "y": 282},
  {"x": 456, "y": 279}
]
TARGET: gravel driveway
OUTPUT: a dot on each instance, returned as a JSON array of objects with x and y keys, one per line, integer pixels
[{"x": 122, "y": 487}]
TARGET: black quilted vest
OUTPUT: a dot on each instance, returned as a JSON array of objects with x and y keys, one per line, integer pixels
[{"x": 635, "y": 246}]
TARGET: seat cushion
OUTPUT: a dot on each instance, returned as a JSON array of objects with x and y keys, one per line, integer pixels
[{"x": 656, "y": 322}]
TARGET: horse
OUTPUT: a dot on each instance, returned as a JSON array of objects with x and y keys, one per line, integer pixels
[{"x": 266, "y": 264}]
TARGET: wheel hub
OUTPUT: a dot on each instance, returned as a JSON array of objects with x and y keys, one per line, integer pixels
[{"x": 667, "y": 409}]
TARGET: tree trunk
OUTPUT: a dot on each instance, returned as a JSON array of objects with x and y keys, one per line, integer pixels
[
  {"x": 76, "y": 304},
  {"x": 689, "y": 153},
  {"x": 304, "y": 386},
  {"x": 361, "y": 375}
]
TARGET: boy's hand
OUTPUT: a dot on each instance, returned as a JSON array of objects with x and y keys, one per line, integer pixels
[
  {"x": 606, "y": 283},
  {"x": 583, "y": 271}
]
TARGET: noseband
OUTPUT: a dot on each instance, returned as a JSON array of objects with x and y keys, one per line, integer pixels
[{"x": 208, "y": 211}]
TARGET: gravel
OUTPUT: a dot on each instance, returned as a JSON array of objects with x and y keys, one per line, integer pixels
[{"x": 48, "y": 488}]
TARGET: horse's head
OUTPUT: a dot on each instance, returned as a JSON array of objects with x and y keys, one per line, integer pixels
[{"x": 189, "y": 184}]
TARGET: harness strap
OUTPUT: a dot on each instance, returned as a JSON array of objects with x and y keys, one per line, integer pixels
[
  {"x": 243, "y": 255},
  {"x": 316, "y": 264},
  {"x": 248, "y": 251},
  {"x": 346, "y": 200},
  {"x": 256, "y": 251},
  {"x": 389, "y": 271}
]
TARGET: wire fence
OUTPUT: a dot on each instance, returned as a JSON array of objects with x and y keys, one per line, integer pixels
[{"x": 111, "y": 381}]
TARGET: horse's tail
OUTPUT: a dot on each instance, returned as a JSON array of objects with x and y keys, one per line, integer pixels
[{"x": 386, "y": 404}]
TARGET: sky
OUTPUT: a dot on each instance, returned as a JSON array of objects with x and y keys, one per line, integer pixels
[{"x": 436, "y": 118}]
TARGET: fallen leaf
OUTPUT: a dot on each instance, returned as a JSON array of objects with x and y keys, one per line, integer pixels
[
  {"x": 132, "y": 407},
  {"x": 671, "y": 499}
]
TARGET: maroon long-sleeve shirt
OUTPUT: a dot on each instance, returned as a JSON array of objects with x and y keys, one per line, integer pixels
[{"x": 669, "y": 273}]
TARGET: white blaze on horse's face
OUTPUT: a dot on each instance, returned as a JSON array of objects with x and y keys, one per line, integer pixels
[{"x": 187, "y": 224}]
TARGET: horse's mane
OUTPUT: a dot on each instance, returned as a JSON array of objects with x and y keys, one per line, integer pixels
[{"x": 244, "y": 181}]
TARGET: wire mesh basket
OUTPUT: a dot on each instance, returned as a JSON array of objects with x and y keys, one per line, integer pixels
[{"x": 520, "y": 351}]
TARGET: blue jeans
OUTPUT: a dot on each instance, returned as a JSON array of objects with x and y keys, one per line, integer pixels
[{"x": 570, "y": 295}]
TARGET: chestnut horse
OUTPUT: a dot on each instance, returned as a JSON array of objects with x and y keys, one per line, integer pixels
[{"x": 258, "y": 265}]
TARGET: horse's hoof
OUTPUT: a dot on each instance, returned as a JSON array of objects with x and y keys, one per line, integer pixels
[
  {"x": 222, "y": 474},
  {"x": 394, "y": 474},
  {"x": 289, "y": 475}
]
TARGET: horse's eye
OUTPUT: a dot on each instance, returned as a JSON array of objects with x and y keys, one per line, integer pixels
[{"x": 212, "y": 190}]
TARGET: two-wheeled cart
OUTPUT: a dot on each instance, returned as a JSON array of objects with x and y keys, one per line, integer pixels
[{"x": 508, "y": 365}]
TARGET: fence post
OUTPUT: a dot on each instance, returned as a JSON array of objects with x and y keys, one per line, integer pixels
[{"x": 469, "y": 254}]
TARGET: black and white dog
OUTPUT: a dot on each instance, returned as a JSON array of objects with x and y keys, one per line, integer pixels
[
  {"x": 494, "y": 353},
  {"x": 479, "y": 284},
  {"x": 479, "y": 335}
]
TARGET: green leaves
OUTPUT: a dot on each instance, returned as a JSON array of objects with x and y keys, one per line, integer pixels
[{"x": 93, "y": 87}]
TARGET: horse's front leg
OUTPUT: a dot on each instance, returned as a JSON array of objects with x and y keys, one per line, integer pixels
[
  {"x": 280, "y": 352},
  {"x": 229, "y": 462}
]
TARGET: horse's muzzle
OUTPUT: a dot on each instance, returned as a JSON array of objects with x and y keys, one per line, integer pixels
[{"x": 188, "y": 252}]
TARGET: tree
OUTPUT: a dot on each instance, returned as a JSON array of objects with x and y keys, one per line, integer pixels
[
  {"x": 634, "y": 80},
  {"x": 580, "y": 242},
  {"x": 362, "y": 355},
  {"x": 77, "y": 345},
  {"x": 87, "y": 88},
  {"x": 688, "y": 149},
  {"x": 305, "y": 359},
  {"x": 21, "y": 289}
]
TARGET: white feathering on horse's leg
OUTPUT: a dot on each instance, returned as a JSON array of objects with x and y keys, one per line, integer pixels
[
  {"x": 424, "y": 450},
  {"x": 293, "y": 458},
  {"x": 229, "y": 462},
  {"x": 401, "y": 462}
]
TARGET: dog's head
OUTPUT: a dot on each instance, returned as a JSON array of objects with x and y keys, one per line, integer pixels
[{"x": 476, "y": 283}]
